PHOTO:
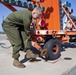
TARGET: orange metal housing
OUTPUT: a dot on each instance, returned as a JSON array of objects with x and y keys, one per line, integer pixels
[{"x": 52, "y": 14}]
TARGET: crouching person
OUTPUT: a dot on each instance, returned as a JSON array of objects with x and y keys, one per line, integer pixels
[{"x": 17, "y": 28}]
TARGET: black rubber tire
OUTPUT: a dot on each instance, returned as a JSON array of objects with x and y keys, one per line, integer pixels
[{"x": 49, "y": 45}]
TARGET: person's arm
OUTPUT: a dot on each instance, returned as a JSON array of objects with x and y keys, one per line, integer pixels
[{"x": 26, "y": 23}]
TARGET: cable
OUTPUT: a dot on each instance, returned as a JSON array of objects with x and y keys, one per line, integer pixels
[{"x": 1, "y": 44}]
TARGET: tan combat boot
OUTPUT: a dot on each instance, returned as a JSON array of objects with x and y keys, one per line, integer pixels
[
  {"x": 30, "y": 54},
  {"x": 16, "y": 63}
]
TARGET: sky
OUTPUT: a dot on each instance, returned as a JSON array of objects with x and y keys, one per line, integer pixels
[{"x": 4, "y": 11}]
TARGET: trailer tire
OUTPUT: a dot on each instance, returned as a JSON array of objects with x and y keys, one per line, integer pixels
[{"x": 54, "y": 49}]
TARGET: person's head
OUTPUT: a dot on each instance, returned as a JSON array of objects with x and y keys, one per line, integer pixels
[{"x": 36, "y": 13}]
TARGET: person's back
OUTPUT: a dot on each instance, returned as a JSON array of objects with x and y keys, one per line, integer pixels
[{"x": 18, "y": 17}]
